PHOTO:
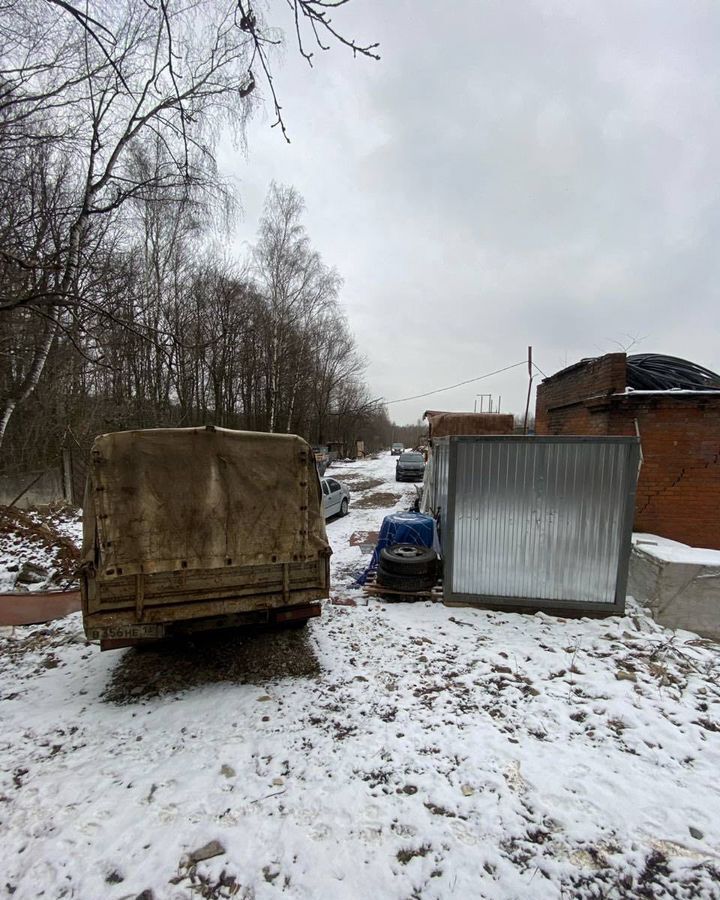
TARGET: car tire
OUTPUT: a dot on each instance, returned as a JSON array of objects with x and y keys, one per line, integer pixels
[
  {"x": 408, "y": 559},
  {"x": 408, "y": 584},
  {"x": 344, "y": 506}
]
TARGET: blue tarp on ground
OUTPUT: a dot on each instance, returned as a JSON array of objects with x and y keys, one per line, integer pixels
[{"x": 402, "y": 528}]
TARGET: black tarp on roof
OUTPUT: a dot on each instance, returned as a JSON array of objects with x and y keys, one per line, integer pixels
[{"x": 655, "y": 372}]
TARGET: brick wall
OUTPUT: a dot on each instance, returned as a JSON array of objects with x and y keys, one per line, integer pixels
[
  {"x": 678, "y": 493},
  {"x": 560, "y": 406}
]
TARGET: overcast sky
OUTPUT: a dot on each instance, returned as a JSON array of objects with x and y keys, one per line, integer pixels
[{"x": 510, "y": 173}]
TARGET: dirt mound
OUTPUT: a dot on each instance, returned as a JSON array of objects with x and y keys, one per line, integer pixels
[{"x": 32, "y": 536}]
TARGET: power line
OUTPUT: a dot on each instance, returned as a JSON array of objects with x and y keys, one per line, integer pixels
[{"x": 459, "y": 384}]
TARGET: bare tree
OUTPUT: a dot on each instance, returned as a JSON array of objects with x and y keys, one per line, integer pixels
[
  {"x": 298, "y": 287},
  {"x": 88, "y": 95}
]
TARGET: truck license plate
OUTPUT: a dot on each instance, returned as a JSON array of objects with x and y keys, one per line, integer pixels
[{"x": 125, "y": 632}]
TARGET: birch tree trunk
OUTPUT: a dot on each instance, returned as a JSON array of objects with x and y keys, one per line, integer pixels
[{"x": 33, "y": 376}]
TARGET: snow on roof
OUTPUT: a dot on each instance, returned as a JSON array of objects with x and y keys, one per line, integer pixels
[{"x": 669, "y": 392}]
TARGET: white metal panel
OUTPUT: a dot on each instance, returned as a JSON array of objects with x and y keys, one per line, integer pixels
[
  {"x": 435, "y": 487},
  {"x": 540, "y": 519}
]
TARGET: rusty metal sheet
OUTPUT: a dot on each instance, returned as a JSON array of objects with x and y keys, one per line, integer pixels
[
  {"x": 443, "y": 424},
  {"x": 36, "y": 608}
]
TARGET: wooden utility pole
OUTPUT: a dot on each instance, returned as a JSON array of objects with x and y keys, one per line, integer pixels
[{"x": 530, "y": 381}]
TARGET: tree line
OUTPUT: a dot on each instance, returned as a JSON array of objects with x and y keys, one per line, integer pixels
[{"x": 119, "y": 306}]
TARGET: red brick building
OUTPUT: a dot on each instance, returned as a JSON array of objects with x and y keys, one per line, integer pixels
[{"x": 678, "y": 492}]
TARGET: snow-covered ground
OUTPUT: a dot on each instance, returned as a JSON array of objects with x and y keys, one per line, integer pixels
[{"x": 393, "y": 750}]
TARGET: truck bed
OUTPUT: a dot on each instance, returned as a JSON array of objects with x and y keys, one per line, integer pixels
[{"x": 158, "y": 603}]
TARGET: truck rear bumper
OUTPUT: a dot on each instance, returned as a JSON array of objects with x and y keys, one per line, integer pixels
[{"x": 114, "y": 637}]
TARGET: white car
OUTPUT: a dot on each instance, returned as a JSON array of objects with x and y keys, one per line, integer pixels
[{"x": 336, "y": 497}]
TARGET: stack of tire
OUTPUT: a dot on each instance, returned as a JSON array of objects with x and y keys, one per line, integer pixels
[{"x": 407, "y": 568}]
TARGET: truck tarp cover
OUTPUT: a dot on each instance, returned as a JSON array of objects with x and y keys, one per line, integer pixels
[{"x": 162, "y": 500}]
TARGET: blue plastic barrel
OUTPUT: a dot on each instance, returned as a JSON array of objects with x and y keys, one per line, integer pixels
[{"x": 402, "y": 528}]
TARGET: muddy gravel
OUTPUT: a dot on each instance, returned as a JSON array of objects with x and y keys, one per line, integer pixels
[
  {"x": 358, "y": 484},
  {"x": 238, "y": 656},
  {"x": 376, "y": 500}
]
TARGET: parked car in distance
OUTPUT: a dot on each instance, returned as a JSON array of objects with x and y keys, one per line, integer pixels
[
  {"x": 396, "y": 449},
  {"x": 410, "y": 467},
  {"x": 336, "y": 497}
]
